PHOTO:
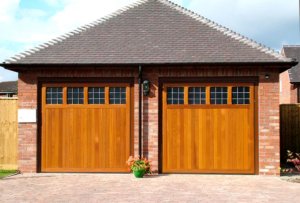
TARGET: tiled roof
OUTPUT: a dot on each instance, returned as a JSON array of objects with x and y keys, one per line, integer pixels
[
  {"x": 11, "y": 86},
  {"x": 150, "y": 32},
  {"x": 293, "y": 51}
]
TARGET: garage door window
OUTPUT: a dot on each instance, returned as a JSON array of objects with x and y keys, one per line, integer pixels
[
  {"x": 54, "y": 95},
  {"x": 175, "y": 95},
  {"x": 117, "y": 95},
  {"x": 96, "y": 95},
  {"x": 197, "y": 95},
  {"x": 218, "y": 95},
  {"x": 240, "y": 95},
  {"x": 75, "y": 95}
]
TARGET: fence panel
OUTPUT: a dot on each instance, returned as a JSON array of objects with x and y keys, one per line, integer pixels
[
  {"x": 289, "y": 129},
  {"x": 8, "y": 133}
]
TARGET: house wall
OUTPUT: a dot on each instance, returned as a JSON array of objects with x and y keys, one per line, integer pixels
[
  {"x": 268, "y": 109},
  {"x": 6, "y": 95},
  {"x": 294, "y": 94},
  {"x": 288, "y": 91}
]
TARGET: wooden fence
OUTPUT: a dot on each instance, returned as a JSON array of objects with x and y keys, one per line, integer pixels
[
  {"x": 289, "y": 129},
  {"x": 8, "y": 133}
]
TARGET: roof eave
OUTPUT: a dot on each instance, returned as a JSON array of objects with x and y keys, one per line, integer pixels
[
  {"x": 283, "y": 65},
  {"x": 295, "y": 82},
  {"x": 7, "y": 92}
]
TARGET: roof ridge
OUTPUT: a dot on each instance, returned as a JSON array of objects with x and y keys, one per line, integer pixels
[
  {"x": 226, "y": 31},
  {"x": 9, "y": 81},
  {"x": 295, "y": 45},
  {"x": 75, "y": 31}
]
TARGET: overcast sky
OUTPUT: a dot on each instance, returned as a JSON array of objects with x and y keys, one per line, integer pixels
[{"x": 27, "y": 23}]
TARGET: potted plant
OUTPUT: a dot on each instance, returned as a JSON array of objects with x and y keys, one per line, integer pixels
[{"x": 139, "y": 166}]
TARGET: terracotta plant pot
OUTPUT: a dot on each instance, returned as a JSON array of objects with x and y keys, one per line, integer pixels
[{"x": 139, "y": 173}]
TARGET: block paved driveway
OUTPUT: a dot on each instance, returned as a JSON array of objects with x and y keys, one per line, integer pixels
[{"x": 162, "y": 188}]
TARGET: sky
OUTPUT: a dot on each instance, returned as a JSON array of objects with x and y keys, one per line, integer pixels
[{"x": 28, "y": 23}]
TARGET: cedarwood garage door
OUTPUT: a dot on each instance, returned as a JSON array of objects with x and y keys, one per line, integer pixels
[
  {"x": 85, "y": 127},
  {"x": 208, "y": 128}
]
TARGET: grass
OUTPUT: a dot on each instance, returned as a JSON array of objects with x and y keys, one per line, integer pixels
[{"x": 4, "y": 173}]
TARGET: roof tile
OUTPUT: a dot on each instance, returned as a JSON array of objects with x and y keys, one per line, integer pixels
[
  {"x": 293, "y": 51},
  {"x": 149, "y": 32}
]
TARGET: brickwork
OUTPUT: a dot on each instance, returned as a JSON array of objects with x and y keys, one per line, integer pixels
[
  {"x": 294, "y": 94},
  {"x": 288, "y": 91},
  {"x": 268, "y": 109},
  {"x": 268, "y": 119}
]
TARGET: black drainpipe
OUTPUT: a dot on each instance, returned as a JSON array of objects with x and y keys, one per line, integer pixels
[{"x": 140, "y": 110}]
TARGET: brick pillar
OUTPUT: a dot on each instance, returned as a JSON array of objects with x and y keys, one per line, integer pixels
[
  {"x": 27, "y": 139},
  {"x": 268, "y": 113},
  {"x": 150, "y": 120}
]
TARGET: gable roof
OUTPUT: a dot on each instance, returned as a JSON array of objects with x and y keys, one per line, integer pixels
[
  {"x": 9, "y": 87},
  {"x": 150, "y": 32},
  {"x": 293, "y": 51}
]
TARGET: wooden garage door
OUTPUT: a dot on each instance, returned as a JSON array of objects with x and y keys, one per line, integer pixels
[
  {"x": 208, "y": 128},
  {"x": 85, "y": 127}
]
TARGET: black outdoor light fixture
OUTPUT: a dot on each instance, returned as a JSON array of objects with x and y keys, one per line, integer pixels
[
  {"x": 267, "y": 76},
  {"x": 146, "y": 87}
]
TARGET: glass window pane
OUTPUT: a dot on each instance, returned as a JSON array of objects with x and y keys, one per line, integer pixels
[
  {"x": 218, "y": 95},
  {"x": 197, "y": 95},
  {"x": 75, "y": 95},
  {"x": 240, "y": 95},
  {"x": 96, "y": 95},
  {"x": 240, "y": 89},
  {"x": 117, "y": 95},
  {"x": 54, "y": 95},
  {"x": 175, "y": 95}
]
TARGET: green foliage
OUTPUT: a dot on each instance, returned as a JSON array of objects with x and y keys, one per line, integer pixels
[
  {"x": 4, "y": 173},
  {"x": 294, "y": 158},
  {"x": 138, "y": 164}
]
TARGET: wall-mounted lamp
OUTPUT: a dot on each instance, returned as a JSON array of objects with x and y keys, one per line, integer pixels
[
  {"x": 267, "y": 76},
  {"x": 146, "y": 87}
]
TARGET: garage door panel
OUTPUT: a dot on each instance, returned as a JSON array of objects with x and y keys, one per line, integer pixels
[
  {"x": 208, "y": 138},
  {"x": 86, "y": 138}
]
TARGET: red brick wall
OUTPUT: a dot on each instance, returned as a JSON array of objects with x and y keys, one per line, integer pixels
[
  {"x": 268, "y": 119},
  {"x": 268, "y": 109},
  {"x": 288, "y": 91},
  {"x": 294, "y": 94}
]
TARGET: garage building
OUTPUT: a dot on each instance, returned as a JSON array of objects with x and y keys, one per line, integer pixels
[{"x": 212, "y": 105}]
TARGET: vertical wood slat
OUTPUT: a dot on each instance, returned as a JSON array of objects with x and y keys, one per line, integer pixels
[
  {"x": 106, "y": 89},
  {"x": 8, "y": 133},
  {"x": 229, "y": 96},
  {"x": 289, "y": 129},
  {"x": 208, "y": 138},
  {"x": 85, "y": 95},
  {"x": 86, "y": 138},
  {"x": 207, "y": 93},
  {"x": 186, "y": 95}
]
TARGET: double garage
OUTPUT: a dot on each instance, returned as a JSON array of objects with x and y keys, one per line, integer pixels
[
  {"x": 205, "y": 127},
  {"x": 213, "y": 105}
]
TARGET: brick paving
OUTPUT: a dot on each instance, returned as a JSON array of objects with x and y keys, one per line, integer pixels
[{"x": 162, "y": 188}]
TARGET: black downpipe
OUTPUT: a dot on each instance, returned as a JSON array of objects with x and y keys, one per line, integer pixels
[{"x": 140, "y": 110}]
